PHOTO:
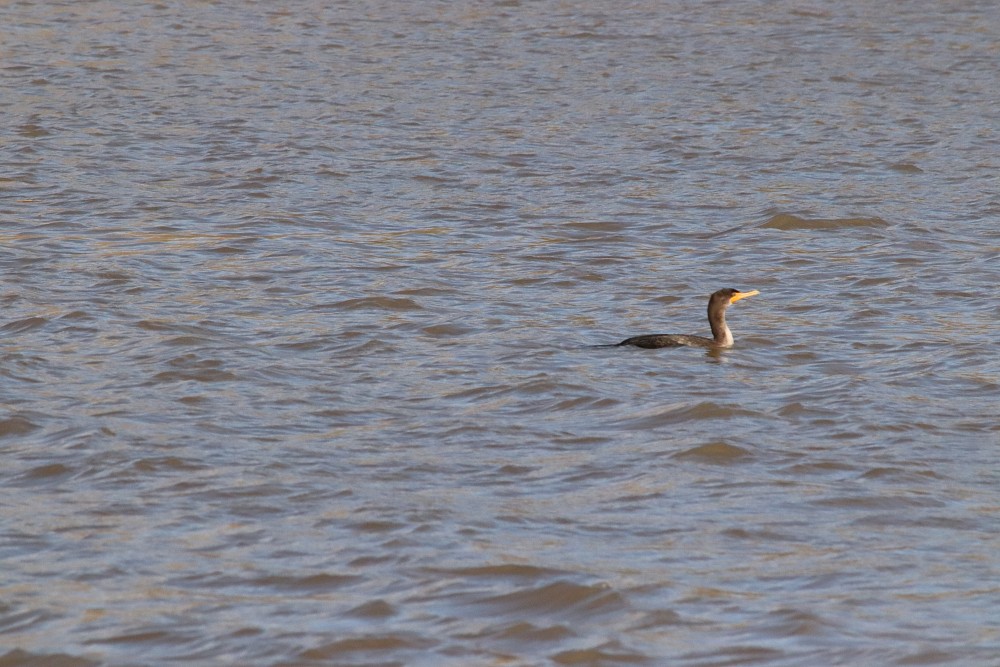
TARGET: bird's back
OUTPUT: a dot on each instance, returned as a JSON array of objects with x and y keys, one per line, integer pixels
[{"x": 651, "y": 341}]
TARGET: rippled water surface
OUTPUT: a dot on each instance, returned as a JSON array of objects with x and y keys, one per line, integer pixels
[{"x": 299, "y": 301}]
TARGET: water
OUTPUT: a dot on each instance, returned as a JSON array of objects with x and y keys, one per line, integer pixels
[{"x": 298, "y": 305}]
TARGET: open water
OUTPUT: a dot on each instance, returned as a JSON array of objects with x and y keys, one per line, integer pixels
[{"x": 297, "y": 307}]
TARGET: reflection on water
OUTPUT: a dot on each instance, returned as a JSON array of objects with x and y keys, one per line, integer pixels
[{"x": 298, "y": 316}]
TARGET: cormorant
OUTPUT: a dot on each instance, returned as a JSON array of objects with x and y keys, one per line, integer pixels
[{"x": 721, "y": 335}]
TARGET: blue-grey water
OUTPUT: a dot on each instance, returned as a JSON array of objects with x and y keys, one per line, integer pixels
[{"x": 298, "y": 302}]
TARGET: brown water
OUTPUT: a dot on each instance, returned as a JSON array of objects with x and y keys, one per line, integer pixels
[{"x": 297, "y": 307}]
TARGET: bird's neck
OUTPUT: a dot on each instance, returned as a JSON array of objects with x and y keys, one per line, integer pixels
[{"x": 720, "y": 330}]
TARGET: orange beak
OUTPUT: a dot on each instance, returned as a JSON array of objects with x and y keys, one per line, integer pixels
[{"x": 742, "y": 295}]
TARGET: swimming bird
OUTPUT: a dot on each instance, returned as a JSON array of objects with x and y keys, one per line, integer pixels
[{"x": 721, "y": 335}]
